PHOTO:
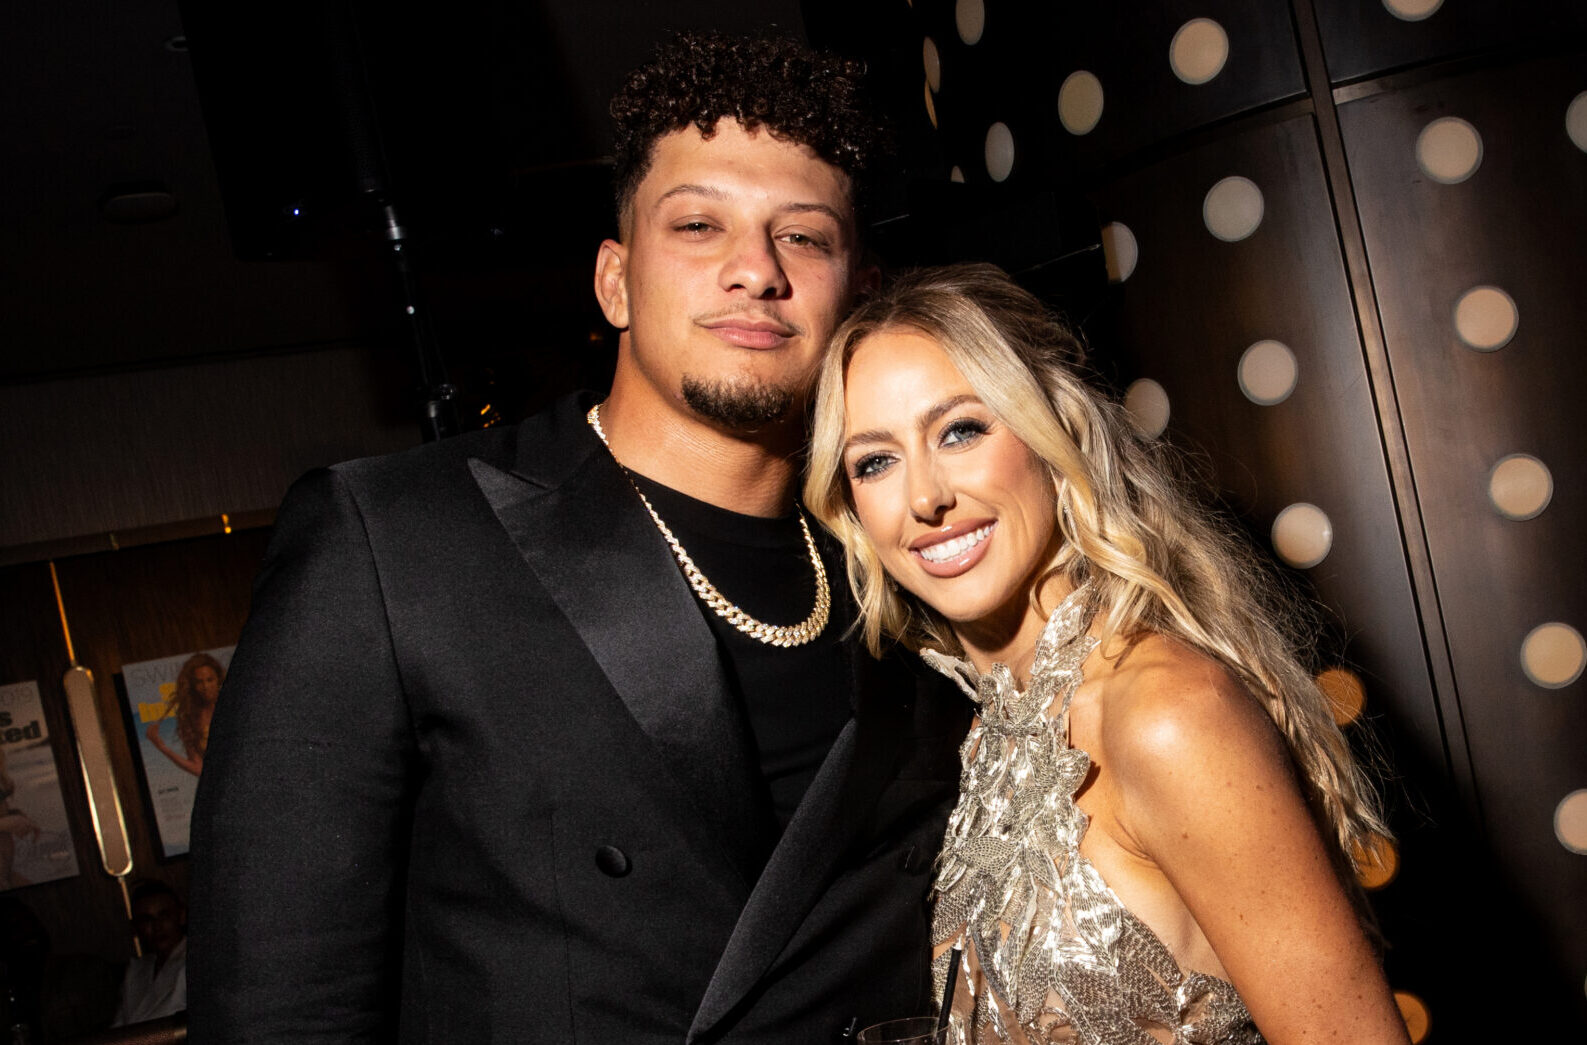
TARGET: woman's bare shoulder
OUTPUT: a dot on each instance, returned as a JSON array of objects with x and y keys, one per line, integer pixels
[{"x": 1171, "y": 715}]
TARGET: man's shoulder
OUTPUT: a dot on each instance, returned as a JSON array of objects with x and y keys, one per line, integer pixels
[{"x": 541, "y": 441}]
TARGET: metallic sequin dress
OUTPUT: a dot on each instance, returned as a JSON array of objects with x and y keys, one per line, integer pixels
[{"x": 1050, "y": 954}]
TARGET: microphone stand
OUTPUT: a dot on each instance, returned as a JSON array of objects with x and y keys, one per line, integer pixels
[
  {"x": 362, "y": 128},
  {"x": 439, "y": 419}
]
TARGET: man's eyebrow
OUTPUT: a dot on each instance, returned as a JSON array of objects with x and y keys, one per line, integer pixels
[
  {"x": 814, "y": 208},
  {"x": 687, "y": 189},
  {"x": 926, "y": 419},
  {"x": 711, "y": 192}
]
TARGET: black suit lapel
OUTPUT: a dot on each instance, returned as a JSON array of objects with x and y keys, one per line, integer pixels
[
  {"x": 836, "y": 807},
  {"x": 579, "y": 525}
]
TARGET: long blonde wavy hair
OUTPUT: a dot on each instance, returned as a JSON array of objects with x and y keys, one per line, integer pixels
[{"x": 1152, "y": 557}]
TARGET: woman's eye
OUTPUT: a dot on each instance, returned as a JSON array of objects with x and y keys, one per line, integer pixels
[
  {"x": 870, "y": 466},
  {"x": 963, "y": 430}
]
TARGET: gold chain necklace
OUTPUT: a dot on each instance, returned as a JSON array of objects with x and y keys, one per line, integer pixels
[{"x": 772, "y": 634}]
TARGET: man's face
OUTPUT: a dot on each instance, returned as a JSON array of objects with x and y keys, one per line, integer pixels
[
  {"x": 739, "y": 261},
  {"x": 160, "y": 923}
]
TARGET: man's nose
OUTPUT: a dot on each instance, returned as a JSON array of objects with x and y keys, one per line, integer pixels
[{"x": 754, "y": 267}]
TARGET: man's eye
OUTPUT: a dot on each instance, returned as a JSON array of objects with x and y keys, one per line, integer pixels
[
  {"x": 804, "y": 239},
  {"x": 694, "y": 227},
  {"x": 870, "y": 466},
  {"x": 963, "y": 430}
]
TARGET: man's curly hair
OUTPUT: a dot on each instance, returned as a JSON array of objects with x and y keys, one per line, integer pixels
[{"x": 796, "y": 94}]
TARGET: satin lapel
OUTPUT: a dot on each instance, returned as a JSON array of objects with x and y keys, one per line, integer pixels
[
  {"x": 838, "y": 803},
  {"x": 580, "y": 527}
]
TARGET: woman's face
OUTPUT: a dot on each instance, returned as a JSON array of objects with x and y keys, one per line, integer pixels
[
  {"x": 961, "y": 512},
  {"x": 206, "y": 684}
]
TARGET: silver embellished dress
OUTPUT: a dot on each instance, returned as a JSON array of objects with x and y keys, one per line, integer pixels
[{"x": 1050, "y": 954}]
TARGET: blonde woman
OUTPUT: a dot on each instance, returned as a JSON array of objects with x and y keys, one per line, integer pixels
[
  {"x": 192, "y": 704},
  {"x": 1155, "y": 803}
]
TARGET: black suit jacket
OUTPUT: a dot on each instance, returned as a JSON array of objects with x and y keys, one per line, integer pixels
[{"x": 476, "y": 776}]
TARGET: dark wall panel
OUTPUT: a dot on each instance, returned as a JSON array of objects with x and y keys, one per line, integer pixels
[
  {"x": 1518, "y": 223},
  {"x": 96, "y": 454},
  {"x": 1364, "y": 38},
  {"x": 1015, "y": 71},
  {"x": 1185, "y": 317}
]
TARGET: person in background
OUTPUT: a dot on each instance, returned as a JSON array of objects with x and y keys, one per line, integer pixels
[
  {"x": 156, "y": 982},
  {"x": 1156, "y": 805}
]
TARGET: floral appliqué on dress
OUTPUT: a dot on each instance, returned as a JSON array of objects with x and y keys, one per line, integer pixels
[{"x": 1050, "y": 954}]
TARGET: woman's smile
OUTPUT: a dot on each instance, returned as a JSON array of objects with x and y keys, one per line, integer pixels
[{"x": 952, "y": 551}]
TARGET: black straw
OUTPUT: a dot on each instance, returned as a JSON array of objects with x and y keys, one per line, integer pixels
[{"x": 947, "y": 988}]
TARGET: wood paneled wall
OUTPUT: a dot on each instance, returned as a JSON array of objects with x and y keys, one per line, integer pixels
[{"x": 122, "y": 607}]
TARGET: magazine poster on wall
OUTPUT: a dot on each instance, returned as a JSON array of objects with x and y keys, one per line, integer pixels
[
  {"x": 35, "y": 840},
  {"x": 169, "y": 705}
]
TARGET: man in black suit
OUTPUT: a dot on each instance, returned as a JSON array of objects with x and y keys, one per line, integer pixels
[{"x": 554, "y": 734}]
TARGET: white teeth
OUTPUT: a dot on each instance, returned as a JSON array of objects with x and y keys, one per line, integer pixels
[{"x": 958, "y": 546}]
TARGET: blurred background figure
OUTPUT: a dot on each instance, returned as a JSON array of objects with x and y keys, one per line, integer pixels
[
  {"x": 14, "y": 824},
  {"x": 156, "y": 983}
]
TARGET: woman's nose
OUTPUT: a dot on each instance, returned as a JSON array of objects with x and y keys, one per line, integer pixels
[{"x": 929, "y": 495}]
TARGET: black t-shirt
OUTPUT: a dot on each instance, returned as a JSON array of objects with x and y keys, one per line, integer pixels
[{"x": 796, "y": 700}]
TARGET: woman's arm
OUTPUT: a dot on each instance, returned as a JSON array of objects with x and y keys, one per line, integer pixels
[
  {"x": 194, "y": 764},
  {"x": 1208, "y": 792},
  {"x": 18, "y": 824}
]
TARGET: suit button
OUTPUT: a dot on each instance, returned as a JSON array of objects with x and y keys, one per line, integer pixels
[{"x": 612, "y": 861}]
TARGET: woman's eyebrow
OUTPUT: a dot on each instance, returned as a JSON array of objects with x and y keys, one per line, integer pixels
[{"x": 926, "y": 420}]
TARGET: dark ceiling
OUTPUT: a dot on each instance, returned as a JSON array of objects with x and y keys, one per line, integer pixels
[{"x": 490, "y": 113}]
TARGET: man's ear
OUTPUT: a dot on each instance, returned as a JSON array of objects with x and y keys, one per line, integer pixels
[{"x": 610, "y": 289}]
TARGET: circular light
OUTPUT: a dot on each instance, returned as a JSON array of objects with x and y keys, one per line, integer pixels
[
  {"x": 1520, "y": 486},
  {"x": 1198, "y": 51},
  {"x": 999, "y": 151},
  {"x": 1486, "y": 318},
  {"x": 957, "y": 174},
  {"x": 1346, "y": 695},
  {"x": 1120, "y": 251},
  {"x": 1412, "y": 10},
  {"x": 1147, "y": 404},
  {"x": 1570, "y": 821},
  {"x": 1268, "y": 372},
  {"x": 1233, "y": 209},
  {"x": 1377, "y": 862},
  {"x": 1552, "y": 655},
  {"x": 1302, "y": 535},
  {"x": 931, "y": 107},
  {"x": 933, "y": 63},
  {"x": 1414, "y": 1012},
  {"x": 1576, "y": 121},
  {"x": 1080, "y": 102},
  {"x": 1449, "y": 150},
  {"x": 970, "y": 17}
]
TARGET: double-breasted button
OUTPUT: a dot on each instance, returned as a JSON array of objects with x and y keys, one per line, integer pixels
[{"x": 612, "y": 861}]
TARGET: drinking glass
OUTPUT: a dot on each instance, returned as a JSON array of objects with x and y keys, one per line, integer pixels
[{"x": 915, "y": 1030}]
